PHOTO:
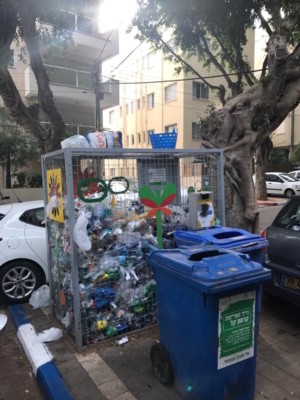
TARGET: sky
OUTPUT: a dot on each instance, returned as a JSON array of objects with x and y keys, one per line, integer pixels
[{"x": 115, "y": 12}]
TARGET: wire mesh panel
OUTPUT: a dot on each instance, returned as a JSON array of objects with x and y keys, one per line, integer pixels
[{"x": 99, "y": 230}]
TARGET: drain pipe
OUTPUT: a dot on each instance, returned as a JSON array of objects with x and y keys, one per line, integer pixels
[{"x": 293, "y": 131}]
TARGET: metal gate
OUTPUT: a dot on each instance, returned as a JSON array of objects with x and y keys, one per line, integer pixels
[{"x": 109, "y": 289}]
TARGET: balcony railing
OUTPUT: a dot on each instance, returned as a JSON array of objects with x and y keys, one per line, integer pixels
[
  {"x": 75, "y": 22},
  {"x": 69, "y": 77},
  {"x": 73, "y": 77}
]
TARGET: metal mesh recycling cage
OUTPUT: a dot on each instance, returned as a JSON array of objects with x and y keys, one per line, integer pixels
[{"x": 100, "y": 229}]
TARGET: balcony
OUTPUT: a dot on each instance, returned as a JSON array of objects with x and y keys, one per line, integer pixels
[
  {"x": 88, "y": 40},
  {"x": 70, "y": 86}
]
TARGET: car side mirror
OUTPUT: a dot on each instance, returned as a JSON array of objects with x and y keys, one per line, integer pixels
[{"x": 3, "y": 323}]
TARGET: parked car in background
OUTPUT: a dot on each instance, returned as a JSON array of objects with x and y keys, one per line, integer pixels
[
  {"x": 279, "y": 183},
  {"x": 283, "y": 254},
  {"x": 23, "y": 251},
  {"x": 295, "y": 175}
]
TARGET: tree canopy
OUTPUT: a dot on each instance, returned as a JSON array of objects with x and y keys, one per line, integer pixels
[
  {"x": 22, "y": 21},
  {"x": 16, "y": 147},
  {"x": 252, "y": 109}
]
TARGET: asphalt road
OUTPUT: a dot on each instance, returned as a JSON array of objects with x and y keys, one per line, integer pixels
[{"x": 267, "y": 215}]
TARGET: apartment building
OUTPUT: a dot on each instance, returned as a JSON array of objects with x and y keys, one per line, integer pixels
[
  {"x": 164, "y": 105},
  {"x": 70, "y": 79},
  {"x": 287, "y": 135}
]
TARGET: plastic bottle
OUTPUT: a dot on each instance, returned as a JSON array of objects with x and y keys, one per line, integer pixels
[{"x": 135, "y": 225}]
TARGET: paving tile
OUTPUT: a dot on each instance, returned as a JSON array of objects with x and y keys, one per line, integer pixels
[
  {"x": 73, "y": 373},
  {"x": 102, "y": 374},
  {"x": 124, "y": 396},
  {"x": 113, "y": 388},
  {"x": 86, "y": 390}
]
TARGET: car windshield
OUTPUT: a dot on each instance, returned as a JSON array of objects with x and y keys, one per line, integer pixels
[
  {"x": 289, "y": 216},
  {"x": 287, "y": 178}
]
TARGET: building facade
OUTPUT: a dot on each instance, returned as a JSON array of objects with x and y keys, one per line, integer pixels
[
  {"x": 70, "y": 78},
  {"x": 165, "y": 104}
]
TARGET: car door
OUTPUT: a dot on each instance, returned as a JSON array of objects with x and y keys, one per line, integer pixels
[
  {"x": 284, "y": 236},
  {"x": 276, "y": 184},
  {"x": 35, "y": 233},
  {"x": 268, "y": 183}
]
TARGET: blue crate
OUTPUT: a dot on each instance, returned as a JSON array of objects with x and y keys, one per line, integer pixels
[{"x": 163, "y": 140}]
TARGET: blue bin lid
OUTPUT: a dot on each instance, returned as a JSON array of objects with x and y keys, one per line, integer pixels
[
  {"x": 209, "y": 265},
  {"x": 223, "y": 237}
]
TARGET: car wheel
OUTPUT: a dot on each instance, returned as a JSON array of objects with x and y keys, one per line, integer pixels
[
  {"x": 18, "y": 280},
  {"x": 289, "y": 193}
]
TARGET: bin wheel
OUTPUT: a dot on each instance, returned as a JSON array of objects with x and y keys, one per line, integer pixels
[{"x": 161, "y": 364}]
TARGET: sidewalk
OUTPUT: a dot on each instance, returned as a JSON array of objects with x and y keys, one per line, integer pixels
[
  {"x": 17, "y": 380},
  {"x": 124, "y": 372}
]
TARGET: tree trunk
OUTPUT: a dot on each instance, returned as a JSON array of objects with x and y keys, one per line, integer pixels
[
  {"x": 8, "y": 172},
  {"x": 262, "y": 157}
]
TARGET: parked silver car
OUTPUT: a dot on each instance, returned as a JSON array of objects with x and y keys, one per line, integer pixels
[{"x": 283, "y": 254}]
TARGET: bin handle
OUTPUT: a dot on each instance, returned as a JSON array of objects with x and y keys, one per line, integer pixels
[{"x": 250, "y": 244}]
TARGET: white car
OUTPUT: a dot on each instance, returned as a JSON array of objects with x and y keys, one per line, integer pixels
[
  {"x": 23, "y": 251},
  {"x": 281, "y": 184},
  {"x": 295, "y": 174}
]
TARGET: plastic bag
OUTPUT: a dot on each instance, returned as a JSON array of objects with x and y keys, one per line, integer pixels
[
  {"x": 49, "y": 335},
  {"x": 80, "y": 232},
  {"x": 53, "y": 203},
  {"x": 40, "y": 298},
  {"x": 75, "y": 141}
]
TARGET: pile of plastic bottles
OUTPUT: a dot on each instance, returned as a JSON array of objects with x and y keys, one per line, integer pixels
[{"x": 117, "y": 292}]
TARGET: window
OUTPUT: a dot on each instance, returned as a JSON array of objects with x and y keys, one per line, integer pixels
[
  {"x": 272, "y": 178},
  {"x": 127, "y": 108},
  {"x": 138, "y": 65},
  {"x": 138, "y": 104},
  {"x": 121, "y": 111},
  {"x": 24, "y": 216},
  {"x": 144, "y": 62},
  {"x": 132, "y": 171},
  {"x": 34, "y": 217},
  {"x": 132, "y": 139},
  {"x": 171, "y": 92},
  {"x": 200, "y": 91},
  {"x": 127, "y": 140},
  {"x": 289, "y": 216},
  {"x": 144, "y": 102},
  {"x": 132, "y": 107},
  {"x": 112, "y": 172},
  {"x": 150, "y": 101},
  {"x": 112, "y": 117},
  {"x": 128, "y": 172},
  {"x": 139, "y": 137},
  {"x": 11, "y": 62},
  {"x": 195, "y": 131},
  {"x": 170, "y": 128},
  {"x": 144, "y": 136},
  {"x": 150, "y": 60}
]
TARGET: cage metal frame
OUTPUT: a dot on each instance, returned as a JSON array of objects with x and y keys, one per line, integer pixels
[{"x": 67, "y": 156}]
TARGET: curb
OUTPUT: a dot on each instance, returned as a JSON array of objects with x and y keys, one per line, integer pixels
[
  {"x": 50, "y": 382},
  {"x": 269, "y": 203}
]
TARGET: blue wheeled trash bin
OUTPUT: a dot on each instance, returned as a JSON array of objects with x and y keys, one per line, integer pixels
[
  {"x": 207, "y": 313},
  {"x": 227, "y": 238}
]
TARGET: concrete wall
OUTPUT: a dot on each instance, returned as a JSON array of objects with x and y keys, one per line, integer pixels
[{"x": 23, "y": 194}]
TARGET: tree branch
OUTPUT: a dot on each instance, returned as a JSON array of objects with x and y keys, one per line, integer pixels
[
  {"x": 17, "y": 110},
  {"x": 221, "y": 88},
  {"x": 264, "y": 23},
  {"x": 264, "y": 67},
  {"x": 45, "y": 95}
]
